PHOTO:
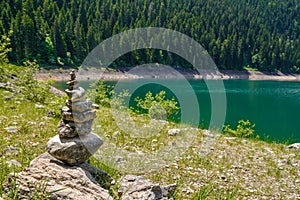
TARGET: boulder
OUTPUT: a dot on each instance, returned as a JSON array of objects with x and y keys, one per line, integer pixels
[
  {"x": 136, "y": 187},
  {"x": 75, "y": 150},
  {"x": 47, "y": 177}
]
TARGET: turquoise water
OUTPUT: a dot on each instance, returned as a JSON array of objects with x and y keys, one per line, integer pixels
[{"x": 273, "y": 107}]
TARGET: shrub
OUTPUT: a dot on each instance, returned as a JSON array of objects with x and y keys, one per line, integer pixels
[
  {"x": 244, "y": 129},
  {"x": 158, "y": 106},
  {"x": 29, "y": 85}
]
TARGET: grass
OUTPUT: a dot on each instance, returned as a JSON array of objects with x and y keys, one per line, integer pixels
[
  {"x": 222, "y": 167},
  {"x": 233, "y": 168}
]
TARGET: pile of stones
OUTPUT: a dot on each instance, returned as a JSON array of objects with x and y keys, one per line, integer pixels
[{"x": 75, "y": 141}]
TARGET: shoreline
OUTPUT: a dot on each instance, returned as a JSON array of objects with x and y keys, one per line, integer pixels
[{"x": 157, "y": 73}]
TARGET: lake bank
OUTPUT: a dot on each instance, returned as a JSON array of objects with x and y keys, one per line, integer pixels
[{"x": 148, "y": 73}]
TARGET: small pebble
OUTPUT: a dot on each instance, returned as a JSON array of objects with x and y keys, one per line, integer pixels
[
  {"x": 42, "y": 123},
  {"x": 11, "y": 150},
  {"x": 39, "y": 106},
  {"x": 174, "y": 131},
  {"x": 12, "y": 163},
  {"x": 207, "y": 133},
  {"x": 11, "y": 129}
]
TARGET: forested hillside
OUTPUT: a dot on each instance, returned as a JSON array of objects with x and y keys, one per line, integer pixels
[{"x": 262, "y": 34}]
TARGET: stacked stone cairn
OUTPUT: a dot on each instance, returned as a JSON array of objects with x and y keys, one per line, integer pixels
[{"x": 75, "y": 141}]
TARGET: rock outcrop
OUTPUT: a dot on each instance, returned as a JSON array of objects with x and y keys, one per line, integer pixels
[
  {"x": 46, "y": 176},
  {"x": 50, "y": 178}
]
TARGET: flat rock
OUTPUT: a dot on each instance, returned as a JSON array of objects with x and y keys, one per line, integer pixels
[
  {"x": 78, "y": 116},
  {"x": 136, "y": 187},
  {"x": 67, "y": 129},
  {"x": 60, "y": 181},
  {"x": 74, "y": 151},
  {"x": 80, "y": 106}
]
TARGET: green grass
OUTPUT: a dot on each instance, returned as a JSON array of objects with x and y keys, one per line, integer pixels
[{"x": 232, "y": 168}]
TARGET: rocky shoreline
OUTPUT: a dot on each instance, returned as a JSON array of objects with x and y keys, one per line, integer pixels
[{"x": 127, "y": 73}]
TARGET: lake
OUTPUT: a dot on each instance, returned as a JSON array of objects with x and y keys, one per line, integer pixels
[{"x": 272, "y": 106}]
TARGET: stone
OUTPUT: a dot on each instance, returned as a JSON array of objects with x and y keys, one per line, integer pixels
[
  {"x": 60, "y": 181},
  {"x": 80, "y": 106},
  {"x": 50, "y": 113},
  {"x": 74, "y": 151},
  {"x": 95, "y": 106},
  {"x": 7, "y": 98},
  {"x": 207, "y": 133},
  {"x": 66, "y": 130},
  {"x": 42, "y": 123},
  {"x": 73, "y": 75},
  {"x": 12, "y": 163},
  {"x": 39, "y": 106},
  {"x": 295, "y": 146},
  {"x": 3, "y": 85},
  {"x": 72, "y": 129},
  {"x": 76, "y": 95},
  {"x": 84, "y": 127},
  {"x": 72, "y": 84},
  {"x": 11, "y": 150},
  {"x": 174, "y": 131},
  {"x": 11, "y": 129},
  {"x": 136, "y": 187},
  {"x": 79, "y": 116}
]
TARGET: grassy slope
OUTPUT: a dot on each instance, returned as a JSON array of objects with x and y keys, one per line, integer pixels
[{"x": 234, "y": 168}]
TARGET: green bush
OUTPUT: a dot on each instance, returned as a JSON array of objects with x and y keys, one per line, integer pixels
[
  {"x": 158, "y": 106},
  {"x": 28, "y": 85},
  {"x": 244, "y": 129}
]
